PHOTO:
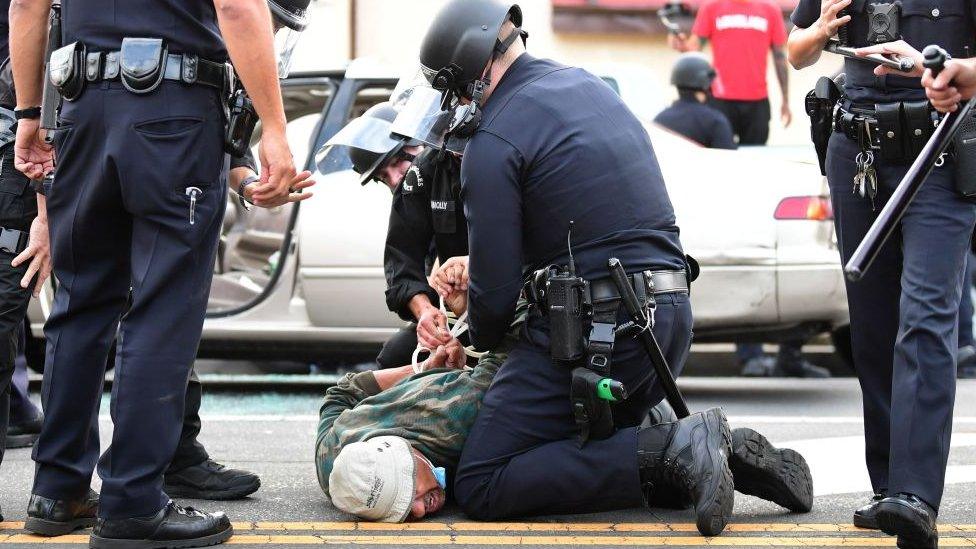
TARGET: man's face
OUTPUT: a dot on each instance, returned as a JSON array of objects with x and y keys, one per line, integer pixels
[
  {"x": 428, "y": 496},
  {"x": 396, "y": 169}
]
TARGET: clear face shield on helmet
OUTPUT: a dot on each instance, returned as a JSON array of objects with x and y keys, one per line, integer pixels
[
  {"x": 285, "y": 41},
  {"x": 363, "y": 145},
  {"x": 422, "y": 115}
]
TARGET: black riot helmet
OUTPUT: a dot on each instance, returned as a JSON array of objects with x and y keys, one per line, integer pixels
[
  {"x": 290, "y": 13},
  {"x": 692, "y": 72},
  {"x": 462, "y": 40}
]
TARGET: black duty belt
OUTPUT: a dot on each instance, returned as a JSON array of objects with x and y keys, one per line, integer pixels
[
  {"x": 189, "y": 69},
  {"x": 898, "y": 130},
  {"x": 12, "y": 241},
  {"x": 655, "y": 282}
]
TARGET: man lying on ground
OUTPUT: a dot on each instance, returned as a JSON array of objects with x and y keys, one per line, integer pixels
[{"x": 387, "y": 438}]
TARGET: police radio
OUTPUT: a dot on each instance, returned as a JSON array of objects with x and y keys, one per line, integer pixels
[{"x": 567, "y": 307}]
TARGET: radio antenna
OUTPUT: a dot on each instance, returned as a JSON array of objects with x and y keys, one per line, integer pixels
[{"x": 569, "y": 246}]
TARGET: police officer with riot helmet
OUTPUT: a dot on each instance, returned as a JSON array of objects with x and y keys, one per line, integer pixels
[
  {"x": 690, "y": 116},
  {"x": 904, "y": 310},
  {"x": 136, "y": 203},
  {"x": 555, "y": 145}
]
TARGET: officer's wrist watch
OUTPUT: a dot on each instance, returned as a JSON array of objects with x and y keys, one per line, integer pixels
[
  {"x": 31, "y": 113},
  {"x": 243, "y": 187}
]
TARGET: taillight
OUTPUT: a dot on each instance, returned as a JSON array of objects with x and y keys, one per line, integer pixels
[{"x": 809, "y": 208}]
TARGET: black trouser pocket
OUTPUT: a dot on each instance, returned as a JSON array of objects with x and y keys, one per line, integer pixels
[{"x": 18, "y": 204}]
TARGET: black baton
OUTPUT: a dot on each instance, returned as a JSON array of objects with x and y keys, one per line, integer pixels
[
  {"x": 634, "y": 308},
  {"x": 901, "y": 198},
  {"x": 903, "y": 64}
]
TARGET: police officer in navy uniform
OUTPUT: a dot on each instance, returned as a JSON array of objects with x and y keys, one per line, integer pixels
[
  {"x": 690, "y": 116},
  {"x": 904, "y": 311},
  {"x": 137, "y": 203},
  {"x": 555, "y": 144}
]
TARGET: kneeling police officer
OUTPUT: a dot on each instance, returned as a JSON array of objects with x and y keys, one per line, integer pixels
[
  {"x": 904, "y": 310},
  {"x": 137, "y": 203},
  {"x": 553, "y": 145}
]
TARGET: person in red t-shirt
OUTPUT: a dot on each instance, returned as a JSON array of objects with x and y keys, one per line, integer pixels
[{"x": 742, "y": 32}]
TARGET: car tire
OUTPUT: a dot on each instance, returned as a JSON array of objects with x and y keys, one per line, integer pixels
[
  {"x": 841, "y": 339},
  {"x": 35, "y": 351}
]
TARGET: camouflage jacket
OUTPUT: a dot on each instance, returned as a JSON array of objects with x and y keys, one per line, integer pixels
[{"x": 433, "y": 410}]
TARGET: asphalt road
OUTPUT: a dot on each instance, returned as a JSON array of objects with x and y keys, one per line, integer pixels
[{"x": 272, "y": 433}]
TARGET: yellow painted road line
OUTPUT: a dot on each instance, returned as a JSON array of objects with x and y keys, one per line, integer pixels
[{"x": 576, "y": 541}]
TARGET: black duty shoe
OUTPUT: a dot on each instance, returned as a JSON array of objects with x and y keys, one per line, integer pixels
[
  {"x": 760, "y": 366},
  {"x": 760, "y": 469},
  {"x": 867, "y": 516},
  {"x": 661, "y": 413},
  {"x": 172, "y": 527},
  {"x": 210, "y": 480},
  {"x": 966, "y": 362},
  {"x": 23, "y": 435},
  {"x": 909, "y": 518},
  {"x": 50, "y": 517},
  {"x": 691, "y": 456}
]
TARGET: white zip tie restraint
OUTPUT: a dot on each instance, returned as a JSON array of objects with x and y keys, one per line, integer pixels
[{"x": 460, "y": 325}]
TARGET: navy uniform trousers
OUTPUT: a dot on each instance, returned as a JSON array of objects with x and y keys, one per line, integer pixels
[
  {"x": 120, "y": 218},
  {"x": 904, "y": 320},
  {"x": 522, "y": 456}
]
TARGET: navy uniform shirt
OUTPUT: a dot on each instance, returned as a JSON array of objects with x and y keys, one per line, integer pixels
[
  {"x": 555, "y": 145},
  {"x": 188, "y": 26},
  {"x": 426, "y": 208},
  {"x": 698, "y": 122},
  {"x": 948, "y": 23}
]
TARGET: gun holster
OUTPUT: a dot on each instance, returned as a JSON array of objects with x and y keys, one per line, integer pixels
[
  {"x": 241, "y": 120},
  {"x": 820, "y": 103},
  {"x": 592, "y": 414}
]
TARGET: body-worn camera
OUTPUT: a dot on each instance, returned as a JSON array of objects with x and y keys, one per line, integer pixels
[{"x": 883, "y": 20}]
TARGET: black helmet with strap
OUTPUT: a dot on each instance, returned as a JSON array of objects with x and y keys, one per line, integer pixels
[
  {"x": 692, "y": 71},
  {"x": 462, "y": 40}
]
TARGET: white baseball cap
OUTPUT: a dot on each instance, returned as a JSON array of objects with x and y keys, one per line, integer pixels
[{"x": 374, "y": 479}]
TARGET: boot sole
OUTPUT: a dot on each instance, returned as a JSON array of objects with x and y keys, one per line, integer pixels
[
  {"x": 712, "y": 519},
  {"x": 781, "y": 476},
  {"x": 20, "y": 441},
  {"x": 189, "y": 492},
  {"x": 97, "y": 542},
  {"x": 51, "y": 528},
  {"x": 866, "y": 523},
  {"x": 896, "y": 519}
]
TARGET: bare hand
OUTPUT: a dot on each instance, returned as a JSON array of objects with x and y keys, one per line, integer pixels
[
  {"x": 893, "y": 50},
  {"x": 38, "y": 251},
  {"x": 432, "y": 329},
  {"x": 32, "y": 155},
  {"x": 277, "y": 169},
  {"x": 829, "y": 22},
  {"x": 678, "y": 41},
  {"x": 785, "y": 115},
  {"x": 457, "y": 302},
  {"x": 299, "y": 182},
  {"x": 445, "y": 356},
  {"x": 451, "y": 277},
  {"x": 955, "y": 83}
]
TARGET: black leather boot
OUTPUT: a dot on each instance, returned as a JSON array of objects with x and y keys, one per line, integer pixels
[
  {"x": 911, "y": 519},
  {"x": 173, "y": 526},
  {"x": 691, "y": 456},
  {"x": 210, "y": 480},
  {"x": 867, "y": 516},
  {"x": 760, "y": 469},
  {"x": 52, "y": 517},
  {"x": 23, "y": 434}
]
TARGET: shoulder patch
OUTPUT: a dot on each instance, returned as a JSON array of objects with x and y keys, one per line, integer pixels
[{"x": 413, "y": 181}]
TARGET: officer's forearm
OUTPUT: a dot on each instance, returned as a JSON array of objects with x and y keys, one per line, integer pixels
[
  {"x": 391, "y": 376},
  {"x": 41, "y": 207},
  {"x": 28, "y": 42},
  {"x": 805, "y": 46},
  {"x": 239, "y": 174},
  {"x": 418, "y": 304},
  {"x": 246, "y": 28}
]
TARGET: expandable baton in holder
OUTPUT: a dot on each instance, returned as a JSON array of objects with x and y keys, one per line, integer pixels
[
  {"x": 901, "y": 198},
  {"x": 629, "y": 298},
  {"x": 903, "y": 64},
  {"x": 50, "y": 98}
]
